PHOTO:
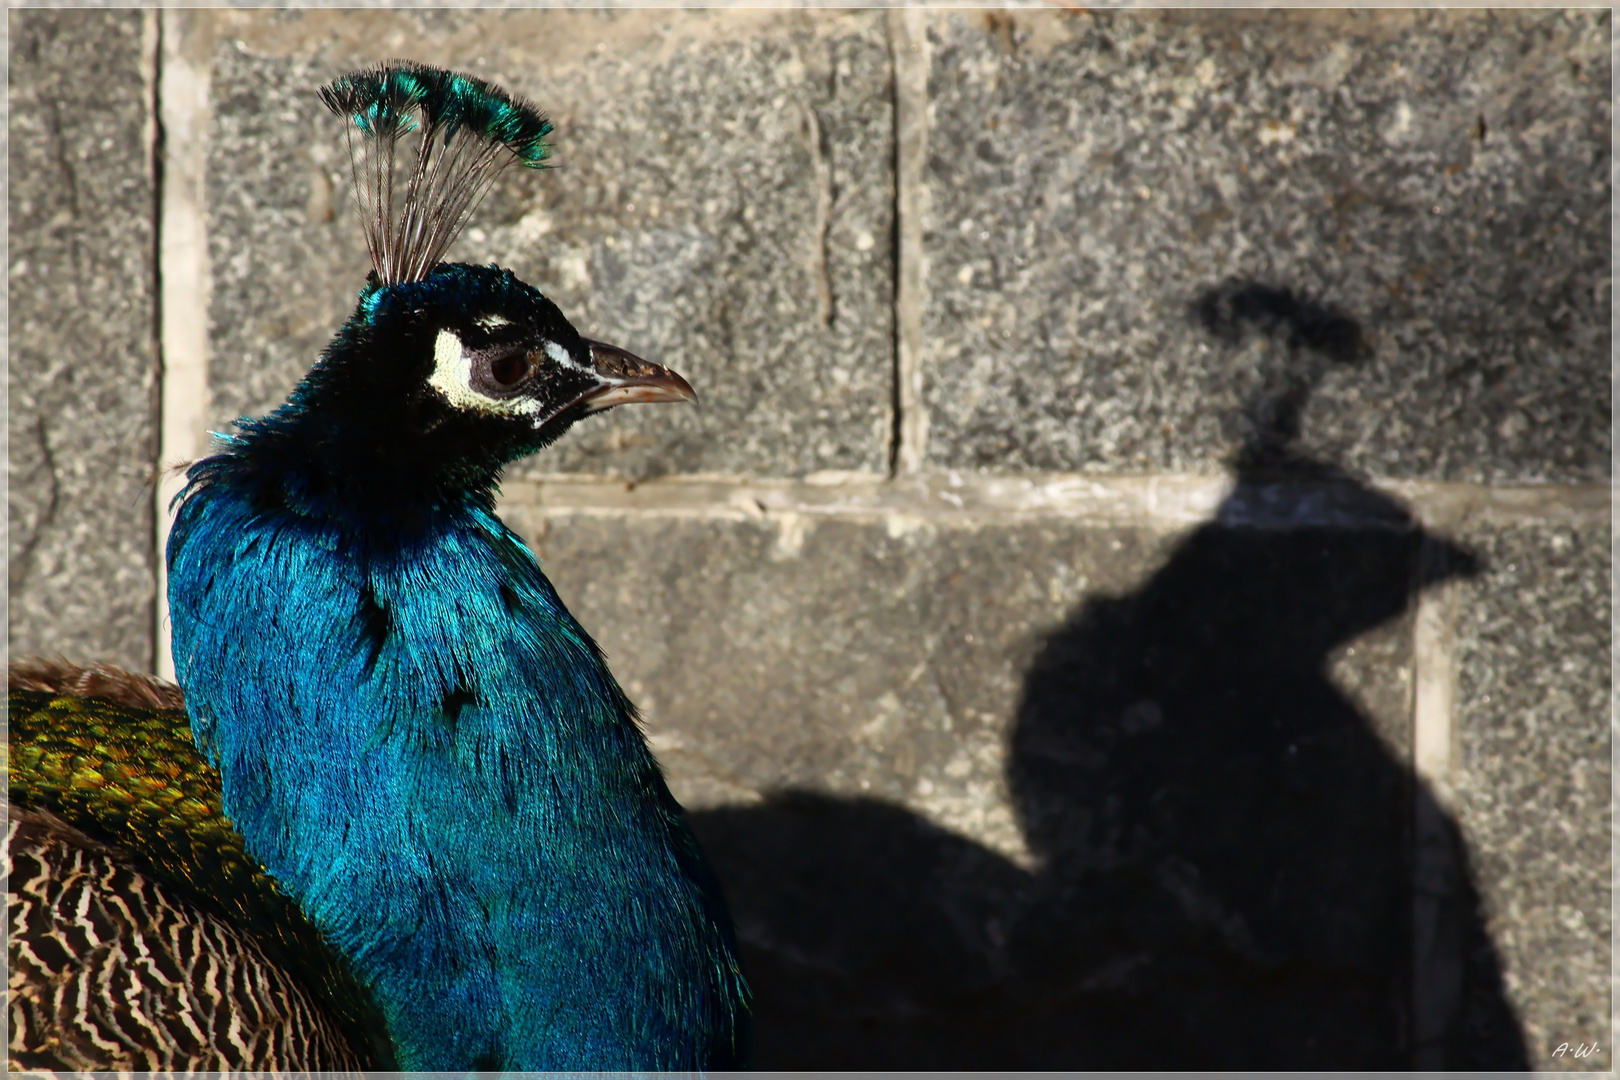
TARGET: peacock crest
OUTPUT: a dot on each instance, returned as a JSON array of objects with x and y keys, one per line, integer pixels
[{"x": 440, "y": 136}]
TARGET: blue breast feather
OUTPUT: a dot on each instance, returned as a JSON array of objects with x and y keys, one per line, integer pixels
[{"x": 428, "y": 752}]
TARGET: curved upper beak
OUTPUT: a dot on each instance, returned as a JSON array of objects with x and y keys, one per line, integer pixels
[{"x": 627, "y": 379}]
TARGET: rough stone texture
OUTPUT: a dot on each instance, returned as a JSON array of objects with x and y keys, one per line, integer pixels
[
  {"x": 1438, "y": 180},
  {"x": 1009, "y": 794},
  {"x": 82, "y": 364},
  {"x": 1534, "y": 782},
  {"x": 723, "y": 204},
  {"x": 1034, "y": 795}
]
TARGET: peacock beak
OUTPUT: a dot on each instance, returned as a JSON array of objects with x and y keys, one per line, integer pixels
[{"x": 627, "y": 379}]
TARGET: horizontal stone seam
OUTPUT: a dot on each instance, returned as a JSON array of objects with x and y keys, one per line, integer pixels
[{"x": 1168, "y": 499}]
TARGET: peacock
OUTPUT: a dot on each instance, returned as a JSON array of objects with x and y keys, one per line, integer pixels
[{"x": 402, "y": 815}]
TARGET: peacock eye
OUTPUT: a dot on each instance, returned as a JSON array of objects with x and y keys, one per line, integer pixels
[{"x": 510, "y": 369}]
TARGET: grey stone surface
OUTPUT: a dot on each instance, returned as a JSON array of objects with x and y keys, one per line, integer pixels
[
  {"x": 995, "y": 793},
  {"x": 1440, "y": 179},
  {"x": 1034, "y": 795},
  {"x": 722, "y": 203},
  {"x": 802, "y": 653},
  {"x": 82, "y": 364},
  {"x": 1534, "y": 783}
]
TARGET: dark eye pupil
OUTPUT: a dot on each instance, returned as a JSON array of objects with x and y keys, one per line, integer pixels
[{"x": 510, "y": 369}]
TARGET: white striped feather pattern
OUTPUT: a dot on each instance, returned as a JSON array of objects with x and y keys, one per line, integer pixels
[{"x": 112, "y": 969}]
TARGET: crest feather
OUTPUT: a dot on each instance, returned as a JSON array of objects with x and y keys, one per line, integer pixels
[{"x": 445, "y": 137}]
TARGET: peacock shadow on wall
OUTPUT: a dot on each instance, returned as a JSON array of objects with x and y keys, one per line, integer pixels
[{"x": 1224, "y": 872}]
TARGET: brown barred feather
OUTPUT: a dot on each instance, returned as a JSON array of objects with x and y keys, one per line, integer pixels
[
  {"x": 62, "y": 679},
  {"x": 112, "y": 968},
  {"x": 122, "y": 775}
]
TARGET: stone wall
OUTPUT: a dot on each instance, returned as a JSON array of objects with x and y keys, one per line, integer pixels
[
  {"x": 1136, "y": 593},
  {"x": 83, "y": 359}
]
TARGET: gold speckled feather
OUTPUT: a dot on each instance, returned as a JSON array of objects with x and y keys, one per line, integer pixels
[{"x": 131, "y": 778}]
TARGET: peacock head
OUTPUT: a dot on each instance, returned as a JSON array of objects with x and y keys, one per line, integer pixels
[
  {"x": 475, "y": 355},
  {"x": 472, "y": 360}
]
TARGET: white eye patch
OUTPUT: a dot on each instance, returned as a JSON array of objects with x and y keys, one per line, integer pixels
[
  {"x": 452, "y": 377},
  {"x": 560, "y": 354}
]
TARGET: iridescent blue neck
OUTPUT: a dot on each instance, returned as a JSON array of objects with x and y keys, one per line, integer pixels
[{"x": 428, "y": 752}]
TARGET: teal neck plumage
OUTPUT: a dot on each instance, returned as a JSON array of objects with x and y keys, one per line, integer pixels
[{"x": 429, "y": 754}]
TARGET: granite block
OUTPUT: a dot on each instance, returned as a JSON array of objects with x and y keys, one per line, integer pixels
[
  {"x": 1534, "y": 780},
  {"x": 1142, "y": 223},
  {"x": 984, "y": 792},
  {"x": 1036, "y": 794},
  {"x": 722, "y": 203},
  {"x": 82, "y": 363}
]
